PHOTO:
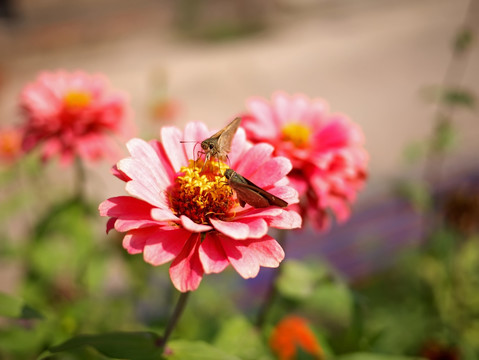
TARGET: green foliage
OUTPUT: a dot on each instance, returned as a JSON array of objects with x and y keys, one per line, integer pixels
[
  {"x": 458, "y": 97},
  {"x": 463, "y": 40},
  {"x": 298, "y": 280},
  {"x": 15, "y": 307},
  {"x": 374, "y": 356},
  {"x": 195, "y": 350},
  {"x": 444, "y": 136},
  {"x": 417, "y": 194},
  {"x": 415, "y": 151},
  {"x": 122, "y": 345},
  {"x": 314, "y": 290},
  {"x": 238, "y": 337}
]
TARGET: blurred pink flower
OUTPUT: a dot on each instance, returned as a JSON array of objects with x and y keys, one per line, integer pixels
[
  {"x": 10, "y": 144},
  {"x": 73, "y": 114},
  {"x": 326, "y": 150},
  {"x": 176, "y": 212}
]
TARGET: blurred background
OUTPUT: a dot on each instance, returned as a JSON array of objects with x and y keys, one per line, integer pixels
[{"x": 378, "y": 61}]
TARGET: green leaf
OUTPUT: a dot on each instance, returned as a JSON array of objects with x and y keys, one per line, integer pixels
[
  {"x": 444, "y": 135},
  {"x": 118, "y": 345},
  {"x": 458, "y": 97},
  {"x": 11, "y": 306},
  {"x": 332, "y": 303},
  {"x": 416, "y": 193},
  {"x": 449, "y": 96},
  {"x": 195, "y": 350},
  {"x": 415, "y": 151},
  {"x": 298, "y": 280},
  {"x": 239, "y": 337},
  {"x": 463, "y": 40},
  {"x": 374, "y": 356},
  {"x": 302, "y": 354}
]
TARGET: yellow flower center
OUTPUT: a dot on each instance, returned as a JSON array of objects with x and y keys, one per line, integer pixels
[
  {"x": 77, "y": 99},
  {"x": 200, "y": 194},
  {"x": 297, "y": 133}
]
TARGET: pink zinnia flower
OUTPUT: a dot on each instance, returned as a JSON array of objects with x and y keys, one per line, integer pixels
[
  {"x": 329, "y": 160},
  {"x": 177, "y": 212},
  {"x": 72, "y": 114},
  {"x": 10, "y": 144}
]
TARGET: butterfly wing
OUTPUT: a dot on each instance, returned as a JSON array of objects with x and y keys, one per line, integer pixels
[
  {"x": 250, "y": 193},
  {"x": 226, "y": 137}
]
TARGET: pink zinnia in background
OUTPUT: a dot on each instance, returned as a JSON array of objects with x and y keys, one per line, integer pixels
[
  {"x": 177, "y": 212},
  {"x": 73, "y": 114},
  {"x": 329, "y": 160}
]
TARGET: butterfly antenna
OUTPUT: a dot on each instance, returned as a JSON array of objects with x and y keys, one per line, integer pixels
[{"x": 194, "y": 149}]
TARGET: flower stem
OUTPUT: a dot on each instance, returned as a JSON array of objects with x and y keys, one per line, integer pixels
[
  {"x": 180, "y": 306},
  {"x": 455, "y": 71},
  {"x": 80, "y": 178},
  {"x": 272, "y": 291}
]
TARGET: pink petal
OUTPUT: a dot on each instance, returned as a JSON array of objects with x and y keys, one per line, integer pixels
[
  {"x": 126, "y": 207},
  {"x": 317, "y": 114},
  {"x": 192, "y": 226},
  {"x": 271, "y": 171},
  {"x": 119, "y": 174},
  {"x": 212, "y": 255},
  {"x": 122, "y": 225},
  {"x": 246, "y": 256},
  {"x": 163, "y": 215},
  {"x": 287, "y": 193},
  {"x": 170, "y": 138},
  {"x": 261, "y": 212},
  {"x": 144, "y": 184},
  {"x": 134, "y": 242},
  {"x": 233, "y": 229},
  {"x": 130, "y": 213},
  {"x": 257, "y": 228},
  {"x": 254, "y": 158},
  {"x": 143, "y": 151},
  {"x": 263, "y": 123},
  {"x": 289, "y": 219},
  {"x": 140, "y": 190},
  {"x": 239, "y": 146},
  {"x": 194, "y": 133},
  {"x": 110, "y": 224},
  {"x": 186, "y": 270},
  {"x": 340, "y": 209},
  {"x": 163, "y": 157},
  {"x": 334, "y": 135},
  {"x": 282, "y": 108},
  {"x": 163, "y": 246},
  {"x": 299, "y": 107}
]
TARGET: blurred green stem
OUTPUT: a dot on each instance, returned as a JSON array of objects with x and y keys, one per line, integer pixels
[
  {"x": 80, "y": 178},
  {"x": 272, "y": 291},
  {"x": 180, "y": 306},
  {"x": 444, "y": 112}
]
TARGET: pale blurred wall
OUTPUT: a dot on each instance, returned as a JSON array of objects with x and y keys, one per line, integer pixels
[{"x": 368, "y": 58}]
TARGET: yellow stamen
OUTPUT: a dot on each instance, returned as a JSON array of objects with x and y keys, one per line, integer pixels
[
  {"x": 297, "y": 133},
  {"x": 200, "y": 194},
  {"x": 77, "y": 99}
]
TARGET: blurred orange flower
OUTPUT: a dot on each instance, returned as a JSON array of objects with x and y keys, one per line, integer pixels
[
  {"x": 292, "y": 333},
  {"x": 10, "y": 144}
]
